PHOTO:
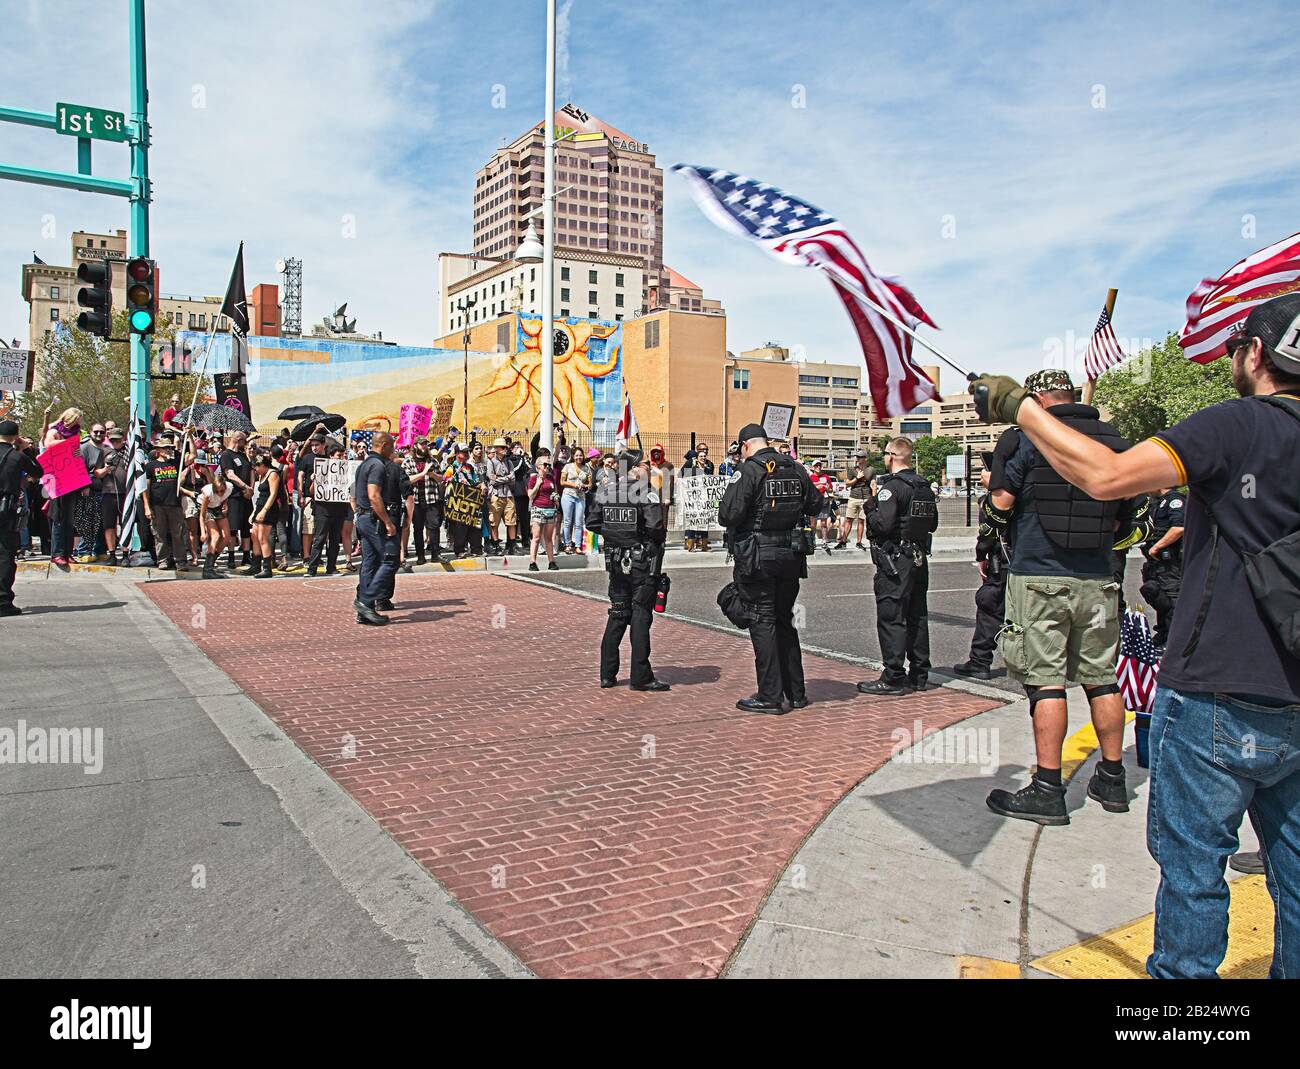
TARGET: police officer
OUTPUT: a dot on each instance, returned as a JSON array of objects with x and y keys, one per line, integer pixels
[
  {"x": 14, "y": 464},
  {"x": 629, "y": 515},
  {"x": 377, "y": 500},
  {"x": 991, "y": 556},
  {"x": 764, "y": 510},
  {"x": 1162, "y": 572},
  {"x": 901, "y": 520}
]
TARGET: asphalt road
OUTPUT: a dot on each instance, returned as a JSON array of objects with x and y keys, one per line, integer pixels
[{"x": 839, "y": 612}]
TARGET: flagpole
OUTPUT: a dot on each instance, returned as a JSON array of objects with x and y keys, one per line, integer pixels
[
  {"x": 861, "y": 294},
  {"x": 1091, "y": 384}
]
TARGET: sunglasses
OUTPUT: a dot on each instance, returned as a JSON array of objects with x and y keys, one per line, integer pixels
[{"x": 1241, "y": 341}]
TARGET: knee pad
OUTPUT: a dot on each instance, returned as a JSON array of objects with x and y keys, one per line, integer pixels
[
  {"x": 620, "y": 610},
  {"x": 1100, "y": 690},
  {"x": 1038, "y": 694}
]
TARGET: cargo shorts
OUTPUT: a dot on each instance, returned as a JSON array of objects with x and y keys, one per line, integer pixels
[{"x": 1061, "y": 629}]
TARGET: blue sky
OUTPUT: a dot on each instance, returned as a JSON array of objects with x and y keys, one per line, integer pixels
[{"x": 961, "y": 144}]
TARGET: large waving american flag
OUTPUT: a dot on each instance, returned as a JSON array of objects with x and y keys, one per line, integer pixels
[
  {"x": 797, "y": 233},
  {"x": 1218, "y": 306}
]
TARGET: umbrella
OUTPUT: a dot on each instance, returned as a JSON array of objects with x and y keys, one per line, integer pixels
[
  {"x": 212, "y": 417},
  {"x": 332, "y": 420},
  {"x": 300, "y": 412}
]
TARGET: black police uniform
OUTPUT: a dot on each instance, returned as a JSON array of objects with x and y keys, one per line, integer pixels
[
  {"x": 1162, "y": 575},
  {"x": 902, "y": 521},
  {"x": 991, "y": 550},
  {"x": 633, "y": 523},
  {"x": 13, "y": 466},
  {"x": 767, "y": 500}
]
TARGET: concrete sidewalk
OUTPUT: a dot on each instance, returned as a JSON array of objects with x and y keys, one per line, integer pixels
[
  {"x": 912, "y": 875},
  {"x": 207, "y": 845}
]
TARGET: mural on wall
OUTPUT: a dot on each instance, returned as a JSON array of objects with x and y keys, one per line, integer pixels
[
  {"x": 368, "y": 382},
  {"x": 588, "y": 371}
]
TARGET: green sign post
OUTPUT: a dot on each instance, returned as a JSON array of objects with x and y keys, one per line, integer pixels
[{"x": 80, "y": 121}]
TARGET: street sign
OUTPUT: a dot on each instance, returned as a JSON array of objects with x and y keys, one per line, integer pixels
[{"x": 77, "y": 120}]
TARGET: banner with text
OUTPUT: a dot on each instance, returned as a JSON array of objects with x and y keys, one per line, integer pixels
[
  {"x": 698, "y": 498},
  {"x": 413, "y": 423},
  {"x": 332, "y": 480},
  {"x": 464, "y": 504},
  {"x": 65, "y": 470}
]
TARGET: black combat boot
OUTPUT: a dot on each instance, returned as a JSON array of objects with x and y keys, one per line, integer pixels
[
  {"x": 1109, "y": 789},
  {"x": 1041, "y": 802}
]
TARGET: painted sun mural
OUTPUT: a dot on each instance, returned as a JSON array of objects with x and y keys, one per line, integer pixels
[{"x": 585, "y": 351}]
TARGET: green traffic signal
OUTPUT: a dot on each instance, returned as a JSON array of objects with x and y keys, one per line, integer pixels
[
  {"x": 142, "y": 322},
  {"x": 141, "y": 294}
]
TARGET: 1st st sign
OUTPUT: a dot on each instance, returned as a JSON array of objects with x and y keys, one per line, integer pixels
[{"x": 77, "y": 120}]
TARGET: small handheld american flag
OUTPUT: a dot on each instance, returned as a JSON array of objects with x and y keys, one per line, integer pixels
[
  {"x": 1103, "y": 349},
  {"x": 1138, "y": 664}
]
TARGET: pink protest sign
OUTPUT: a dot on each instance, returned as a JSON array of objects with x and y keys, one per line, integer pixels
[
  {"x": 413, "y": 423},
  {"x": 65, "y": 470}
]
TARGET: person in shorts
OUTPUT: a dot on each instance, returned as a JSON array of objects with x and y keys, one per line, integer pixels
[
  {"x": 1062, "y": 605},
  {"x": 858, "y": 482}
]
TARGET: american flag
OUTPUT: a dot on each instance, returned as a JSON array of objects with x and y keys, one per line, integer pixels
[
  {"x": 1218, "y": 306},
  {"x": 136, "y": 482},
  {"x": 797, "y": 233},
  {"x": 1138, "y": 664},
  {"x": 1103, "y": 349},
  {"x": 366, "y": 438}
]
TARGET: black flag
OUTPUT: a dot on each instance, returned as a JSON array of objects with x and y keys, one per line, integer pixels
[{"x": 235, "y": 306}]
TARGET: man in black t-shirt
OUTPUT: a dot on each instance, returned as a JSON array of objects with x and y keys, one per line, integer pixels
[
  {"x": 239, "y": 473},
  {"x": 1227, "y": 712},
  {"x": 162, "y": 505},
  {"x": 303, "y": 469},
  {"x": 377, "y": 499}
]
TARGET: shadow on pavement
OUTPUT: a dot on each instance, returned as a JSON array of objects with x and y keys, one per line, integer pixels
[
  {"x": 686, "y": 677},
  {"x": 42, "y": 610}
]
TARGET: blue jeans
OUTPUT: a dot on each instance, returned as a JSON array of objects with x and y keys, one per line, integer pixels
[
  {"x": 574, "y": 511},
  {"x": 1215, "y": 758},
  {"x": 378, "y": 559}
]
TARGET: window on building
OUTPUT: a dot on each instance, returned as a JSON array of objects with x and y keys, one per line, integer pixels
[
  {"x": 564, "y": 274},
  {"x": 193, "y": 320},
  {"x": 850, "y": 423},
  {"x": 503, "y": 337},
  {"x": 740, "y": 378},
  {"x": 591, "y": 277},
  {"x": 591, "y": 297},
  {"x": 618, "y": 279},
  {"x": 813, "y": 421},
  {"x": 813, "y": 380},
  {"x": 54, "y": 293},
  {"x": 843, "y": 402},
  {"x": 814, "y": 400},
  {"x": 564, "y": 294},
  {"x": 618, "y": 300},
  {"x": 203, "y": 321},
  {"x": 54, "y": 315},
  {"x": 564, "y": 312},
  {"x": 850, "y": 384},
  {"x": 652, "y": 334}
]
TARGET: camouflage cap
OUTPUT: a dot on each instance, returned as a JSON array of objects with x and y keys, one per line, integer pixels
[{"x": 1048, "y": 380}]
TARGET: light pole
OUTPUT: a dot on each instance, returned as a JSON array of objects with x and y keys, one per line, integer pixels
[
  {"x": 463, "y": 306},
  {"x": 546, "y": 408}
]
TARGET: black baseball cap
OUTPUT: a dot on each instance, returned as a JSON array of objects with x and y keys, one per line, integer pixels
[
  {"x": 748, "y": 431},
  {"x": 1277, "y": 324},
  {"x": 8, "y": 426}
]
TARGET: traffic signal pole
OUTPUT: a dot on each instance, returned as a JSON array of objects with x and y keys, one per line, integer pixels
[
  {"x": 137, "y": 191},
  {"x": 141, "y": 195}
]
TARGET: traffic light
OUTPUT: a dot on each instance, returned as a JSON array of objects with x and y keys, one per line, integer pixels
[
  {"x": 141, "y": 295},
  {"x": 98, "y": 297}
]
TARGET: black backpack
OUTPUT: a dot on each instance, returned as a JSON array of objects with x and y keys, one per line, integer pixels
[{"x": 1273, "y": 573}]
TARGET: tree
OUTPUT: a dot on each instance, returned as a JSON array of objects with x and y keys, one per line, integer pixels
[
  {"x": 1159, "y": 387},
  {"x": 86, "y": 372},
  {"x": 929, "y": 454}
]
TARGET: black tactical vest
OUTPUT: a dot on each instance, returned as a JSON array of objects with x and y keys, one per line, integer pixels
[
  {"x": 1068, "y": 516},
  {"x": 622, "y": 524},
  {"x": 778, "y": 505},
  {"x": 919, "y": 520}
]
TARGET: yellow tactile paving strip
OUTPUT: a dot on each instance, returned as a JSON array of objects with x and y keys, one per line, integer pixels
[{"x": 1121, "y": 953}]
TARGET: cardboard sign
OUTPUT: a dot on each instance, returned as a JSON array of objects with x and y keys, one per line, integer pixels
[
  {"x": 464, "y": 503},
  {"x": 778, "y": 420},
  {"x": 332, "y": 479},
  {"x": 698, "y": 498},
  {"x": 16, "y": 369},
  {"x": 413, "y": 423},
  {"x": 442, "y": 406},
  {"x": 64, "y": 467}
]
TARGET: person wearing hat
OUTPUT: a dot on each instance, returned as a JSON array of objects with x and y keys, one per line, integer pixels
[
  {"x": 162, "y": 504},
  {"x": 114, "y": 489},
  {"x": 1062, "y": 601},
  {"x": 633, "y": 522},
  {"x": 15, "y": 467},
  {"x": 501, "y": 498},
  {"x": 466, "y": 538},
  {"x": 764, "y": 510},
  {"x": 1227, "y": 712}
]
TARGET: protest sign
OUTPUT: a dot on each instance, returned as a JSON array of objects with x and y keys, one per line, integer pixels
[
  {"x": 332, "y": 479},
  {"x": 65, "y": 470},
  {"x": 464, "y": 504},
  {"x": 16, "y": 367},
  {"x": 777, "y": 421},
  {"x": 442, "y": 406},
  {"x": 698, "y": 498},
  {"x": 413, "y": 423}
]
